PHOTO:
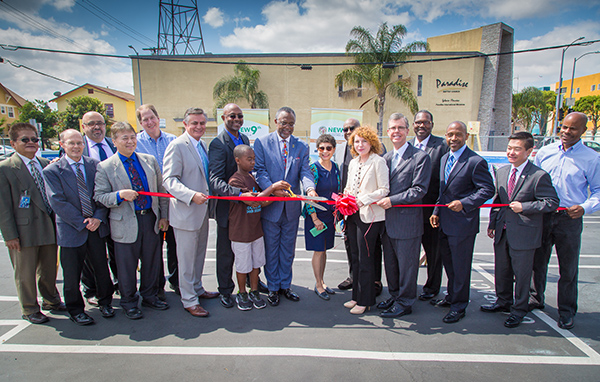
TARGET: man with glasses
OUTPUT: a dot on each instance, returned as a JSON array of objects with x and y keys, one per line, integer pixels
[
  {"x": 27, "y": 225},
  {"x": 435, "y": 147}
]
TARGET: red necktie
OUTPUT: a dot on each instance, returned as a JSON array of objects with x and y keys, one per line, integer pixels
[{"x": 511, "y": 182}]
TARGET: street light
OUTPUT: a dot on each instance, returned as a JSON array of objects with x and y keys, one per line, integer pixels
[
  {"x": 558, "y": 97},
  {"x": 139, "y": 75},
  {"x": 574, "y": 63}
]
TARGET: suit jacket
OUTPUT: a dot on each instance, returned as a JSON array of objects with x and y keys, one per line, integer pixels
[
  {"x": 184, "y": 176},
  {"x": 537, "y": 195},
  {"x": 111, "y": 176},
  {"x": 436, "y": 148},
  {"x": 32, "y": 226},
  {"x": 221, "y": 166},
  {"x": 471, "y": 183},
  {"x": 373, "y": 185},
  {"x": 408, "y": 185},
  {"x": 63, "y": 195},
  {"x": 86, "y": 150},
  {"x": 269, "y": 169}
]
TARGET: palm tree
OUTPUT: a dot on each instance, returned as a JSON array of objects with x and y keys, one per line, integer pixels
[
  {"x": 242, "y": 85},
  {"x": 377, "y": 58}
]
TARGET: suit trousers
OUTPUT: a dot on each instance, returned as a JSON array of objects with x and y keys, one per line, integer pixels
[
  {"x": 430, "y": 243},
  {"x": 457, "y": 256},
  {"x": 363, "y": 239},
  {"x": 191, "y": 253},
  {"x": 87, "y": 274},
  {"x": 173, "y": 276},
  {"x": 146, "y": 249},
  {"x": 225, "y": 259},
  {"x": 72, "y": 259},
  {"x": 512, "y": 264},
  {"x": 401, "y": 258},
  {"x": 33, "y": 264},
  {"x": 280, "y": 249},
  {"x": 564, "y": 233}
]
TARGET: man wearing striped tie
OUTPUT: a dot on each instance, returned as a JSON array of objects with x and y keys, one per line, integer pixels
[{"x": 81, "y": 226}]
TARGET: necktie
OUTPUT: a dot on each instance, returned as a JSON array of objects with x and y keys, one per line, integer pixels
[
  {"x": 41, "y": 185},
  {"x": 204, "y": 158},
  {"x": 395, "y": 161},
  {"x": 420, "y": 146},
  {"x": 101, "y": 151},
  {"x": 285, "y": 153},
  {"x": 511, "y": 182},
  {"x": 136, "y": 182},
  {"x": 449, "y": 165},
  {"x": 84, "y": 196}
]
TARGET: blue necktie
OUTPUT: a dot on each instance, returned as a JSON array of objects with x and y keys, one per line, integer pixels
[
  {"x": 449, "y": 164},
  {"x": 136, "y": 182},
  {"x": 101, "y": 151},
  {"x": 204, "y": 158}
]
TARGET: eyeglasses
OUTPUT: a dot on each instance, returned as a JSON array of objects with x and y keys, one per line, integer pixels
[
  {"x": 284, "y": 124},
  {"x": 27, "y": 139},
  {"x": 346, "y": 129},
  {"x": 232, "y": 116},
  {"x": 424, "y": 123},
  {"x": 95, "y": 123},
  {"x": 396, "y": 128},
  {"x": 323, "y": 148}
]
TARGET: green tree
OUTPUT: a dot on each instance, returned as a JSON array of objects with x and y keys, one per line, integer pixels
[
  {"x": 2, "y": 122},
  {"x": 242, "y": 85},
  {"x": 377, "y": 59},
  {"x": 532, "y": 107},
  {"x": 76, "y": 108},
  {"x": 42, "y": 113},
  {"x": 590, "y": 105}
]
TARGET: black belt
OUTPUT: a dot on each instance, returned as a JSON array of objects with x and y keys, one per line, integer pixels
[{"x": 143, "y": 212}]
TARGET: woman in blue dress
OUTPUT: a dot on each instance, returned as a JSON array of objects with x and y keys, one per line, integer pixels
[{"x": 327, "y": 181}]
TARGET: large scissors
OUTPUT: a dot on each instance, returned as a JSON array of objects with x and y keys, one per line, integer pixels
[{"x": 309, "y": 202}]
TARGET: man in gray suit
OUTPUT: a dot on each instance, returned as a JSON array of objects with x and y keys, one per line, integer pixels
[
  {"x": 135, "y": 220},
  {"x": 81, "y": 226},
  {"x": 435, "y": 147},
  {"x": 410, "y": 171},
  {"x": 186, "y": 178},
  {"x": 517, "y": 229}
]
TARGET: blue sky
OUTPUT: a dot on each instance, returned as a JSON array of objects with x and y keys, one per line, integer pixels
[{"x": 274, "y": 26}]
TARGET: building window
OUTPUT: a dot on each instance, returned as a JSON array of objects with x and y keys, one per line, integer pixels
[
  {"x": 3, "y": 109},
  {"x": 577, "y": 90},
  {"x": 593, "y": 87},
  {"x": 90, "y": 91},
  {"x": 419, "y": 85},
  {"x": 11, "y": 112},
  {"x": 563, "y": 90},
  {"x": 399, "y": 76},
  {"x": 110, "y": 110}
]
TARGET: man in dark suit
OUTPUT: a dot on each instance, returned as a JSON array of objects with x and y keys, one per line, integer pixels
[
  {"x": 410, "y": 171},
  {"x": 517, "y": 229},
  {"x": 221, "y": 166},
  {"x": 435, "y": 147},
  {"x": 81, "y": 226},
  {"x": 27, "y": 224},
  {"x": 465, "y": 184}
]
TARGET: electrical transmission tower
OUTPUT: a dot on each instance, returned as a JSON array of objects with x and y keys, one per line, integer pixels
[{"x": 179, "y": 30}]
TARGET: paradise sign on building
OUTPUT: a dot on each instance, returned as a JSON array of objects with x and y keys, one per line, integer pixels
[{"x": 451, "y": 91}]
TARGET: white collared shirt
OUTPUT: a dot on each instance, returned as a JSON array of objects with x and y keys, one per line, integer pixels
[
  {"x": 398, "y": 155},
  {"x": 94, "y": 151},
  {"x": 422, "y": 144},
  {"x": 519, "y": 171},
  {"x": 73, "y": 166},
  {"x": 35, "y": 161}
]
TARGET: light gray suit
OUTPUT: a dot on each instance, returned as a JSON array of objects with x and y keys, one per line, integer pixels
[
  {"x": 403, "y": 225},
  {"x": 184, "y": 175}
]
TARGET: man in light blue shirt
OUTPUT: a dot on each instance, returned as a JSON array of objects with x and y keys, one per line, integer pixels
[
  {"x": 575, "y": 170},
  {"x": 151, "y": 140}
]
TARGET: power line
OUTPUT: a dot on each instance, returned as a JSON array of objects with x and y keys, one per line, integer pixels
[{"x": 17, "y": 65}]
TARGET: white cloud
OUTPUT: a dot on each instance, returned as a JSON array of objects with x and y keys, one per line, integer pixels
[
  {"x": 543, "y": 68},
  {"x": 63, "y": 5},
  {"x": 214, "y": 17}
]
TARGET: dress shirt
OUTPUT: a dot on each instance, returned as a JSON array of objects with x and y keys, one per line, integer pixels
[
  {"x": 398, "y": 155},
  {"x": 36, "y": 163},
  {"x": 456, "y": 154},
  {"x": 73, "y": 165},
  {"x": 287, "y": 140},
  {"x": 519, "y": 171},
  {"x": 140, "y": 170},
  {"x": 147, "y": 145},
  {"x": 573, "y": 171},
  {"x": 423, "y": 144},
  {"x": 94, "y": 151},
  {"x": 236, "y": 141}
]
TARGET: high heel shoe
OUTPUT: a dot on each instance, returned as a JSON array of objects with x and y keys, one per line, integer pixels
[
  {"x": 359, "y": 309},
  {"x": 322, "y": 295},
  {"x": 350, "y": 304}
]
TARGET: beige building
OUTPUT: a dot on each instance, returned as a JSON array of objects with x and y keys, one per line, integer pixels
[
  {"x": 457, "y": 80},
  {"x": 10, "y": 103}
]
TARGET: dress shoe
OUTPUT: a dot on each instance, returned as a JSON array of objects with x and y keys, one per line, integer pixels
[
  {"x": 156, "y": 304},
  {"x": 161, "y": 295},
  {"x": 82, "y": 319},
  {"x": 328, "y": 290},
  {"x": 440, "y": 303},
  {"x": 386, "y": 304},
  {"x": 92, "y": 300},
  {"x": 493, "y": 308},
  {"x": 289, "y": 294},
  {"x": 322, "y": 295},
  {"x": 208, "y": 295},
  {"x": 273, "y": 298},
  {"x": 346, "y": 284},
  {"x": 453, "y": 316},
  {"x": 107, "y": 311},
  {"x": 513, "y": 321},
  {"x": 58, "y": 307},
  {"x": 378, "y": 288},
  {"x": 359, "y": 309},
  {"x": 535, "y": 305},
  {"x": 350, "y": 304},
  {"x": 197, "y": 311},
  {"x": 36, "y": 318},
  {"x": 425, "y": 296},
  {"x": 396, "y": 310},
  {"x": 226, "y": 300},
  {"x": 133, "y": 313},
  {"x": 566, "y": 323}
]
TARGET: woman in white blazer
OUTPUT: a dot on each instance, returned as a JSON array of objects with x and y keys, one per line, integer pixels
[{"x": 368, "y": 181}]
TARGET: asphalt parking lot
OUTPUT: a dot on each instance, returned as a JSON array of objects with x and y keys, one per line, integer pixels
[{"x": 313, "y": 339}]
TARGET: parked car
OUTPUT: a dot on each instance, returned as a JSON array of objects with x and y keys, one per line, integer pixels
[{"x": 592, "y": 144}]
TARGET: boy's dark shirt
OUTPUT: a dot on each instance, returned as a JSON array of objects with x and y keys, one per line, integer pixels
[{"x": 244, "y": 221}]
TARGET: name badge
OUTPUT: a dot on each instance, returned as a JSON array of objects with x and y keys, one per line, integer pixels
[{"x": 25, "y": 200}]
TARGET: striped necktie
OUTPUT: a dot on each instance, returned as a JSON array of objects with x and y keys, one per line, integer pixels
[
  {"x": 41, "y": 185},
  {"x": 84, "y": 196},
  {"x": 449, "y": 164},
  {"x": 512, "y": 182}
]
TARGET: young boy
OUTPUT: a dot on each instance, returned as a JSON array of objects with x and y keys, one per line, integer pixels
[{"x": 245, "y": 229}]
